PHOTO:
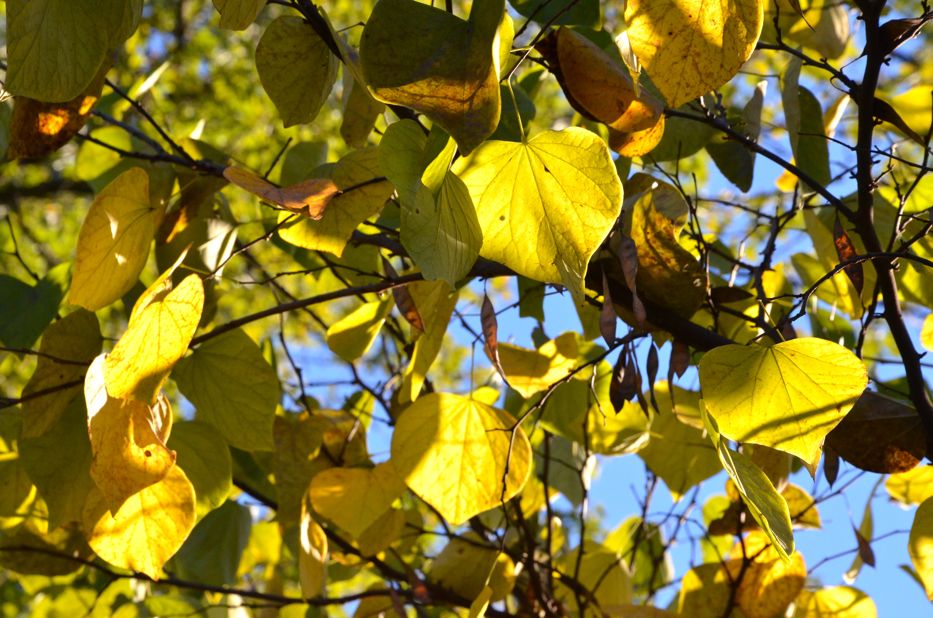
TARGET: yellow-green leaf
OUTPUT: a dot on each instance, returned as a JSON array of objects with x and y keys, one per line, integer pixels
[
  {"x": 468, "y": 565},
  {"x": 787, "y": 396},
  {"x": 435, "y": 303},
  {"x": 354, "y": 498},
  {"x": 113, "y": 244},
  {"x": 765, "y": 504},
  {"x": 689, "y": 47},
  {"x": 67, "y": 347},
  {"x": 425, "y": 58},
  {"x": 920, "y": 544},
  {"x": 531, "y": 371},
  {"x": 834, "y": 602},
  {"x": 352, "y": 335},
  {"x": 453, "y": 451},
  {"x": 296, "y": 69},
  {"x": 545, "y": 205},
  {"x": 147, "y": 529},
  {"x": 312, "y": 554},
  {"x": 361, "y": 198},
  {"x": 127, "y": 439},
  {"x": 238, "y": 14},
  {"x": 605, "y": 573},
  {"x": 233, "y": 388},
  {"x": 160, "y": 329}
]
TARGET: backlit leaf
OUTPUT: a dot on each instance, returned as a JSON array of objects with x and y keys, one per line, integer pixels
[
  {"x": 912, "y": 487},
  {"x": 530, "y": 371},
  {"x": 157, "y": 336},
  {"x": 453, "y": 452},
  {"x": 834, "y": 602},
  {"x": 435, "y": 304},
  {"x": 238, "y": 14},
  {"x": 920, "y": 544},
  {"x": 487, "y": 567},
  {"x": 113, "y": 244},
  {"x": 312, "y": 553},
  {"x": 147, "y": 529},
  {"x": 233, "y": 388},
  {"x": 352, "y": 335},
  {"x": 438, "y": 64},
  {"x": 787, "y": 396},
  {"x": 296, "y": 68},
  {"x": 705, "y": 589},
  {"x": 545, "y": 205},
  {"x": 689, "y": 47},
  {"x": 127, "y": 439},
  {"x": 769, "y": 584},
  {"x": 354, "y": 498},
  {"x": 308, "y": 197}
]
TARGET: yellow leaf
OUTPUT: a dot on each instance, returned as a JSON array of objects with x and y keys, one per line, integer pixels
[
  {"x": 312, "y": 554},
  {"x": 437, "y": 64},
  {"x": 787, "y": 396},
  {"x": 637, "y": 143},
  {"x": 156, "y": 338},
  {"x": 435, "y": 304},
  {"x": 453, "y": 452},
  {"x": 769, "y": 584},
  {"x": 354, "y": 498},
  {"x": 76, "y": 339},
  {"x": 361, "y": 195},
  {"x": 113, "y": 244},
  {"x": 603, "y": 572},
  {"x": 689, "y": 47},
  {"x": 926, "y": 333},
  {"x": 382, "y": 533},
  {"x": 352, "y": 335},
  {"x": 704, "y": 591},
  {"x": 467, "y": 566},
  {"x": 545, "y": 205},
  {"x": 147, "y": 529},
  {"x": 308, "y": 198},
  {"x": 127, "y": 439},
  {"x": 920, "y": 545},
  {"x": 531, "y": 371},
  {"x": 834, "y": 602},
  {"x": 481, "y": 603}
]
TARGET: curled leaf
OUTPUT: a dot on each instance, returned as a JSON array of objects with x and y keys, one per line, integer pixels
[{"x": 308, "y": 198}]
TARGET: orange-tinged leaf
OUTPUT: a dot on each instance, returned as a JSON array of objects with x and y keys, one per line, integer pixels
[
  {"x": 147, "y": 529},
  {"x": 309, "y": 197},
  {"x": 637, "y": 143},
  {"x": 127, "y": 439},
  {"x": 156, "y": 338},
  {"x": 846, "y": 251},
  {"x": 113, "y": 244},
  {"x": 354, "y": 498}
]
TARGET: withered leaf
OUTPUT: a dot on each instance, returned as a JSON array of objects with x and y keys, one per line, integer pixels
[
  {"x": 846, "y": 251},
  {"x": 491, "y": 335},
  {"x": 607, "y": 315},
  {"x": 309, "y": 197},
  {"x": 680, "y": 357},
  {"x": 865, "y": 552}
]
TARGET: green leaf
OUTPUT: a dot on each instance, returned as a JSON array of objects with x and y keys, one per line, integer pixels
[
  {"x": 765, "y": 504},
  {"x": 812, "y": 152},
  {"x": 544, "y": 206},
  {"x": 26, "y": 310},
  {"x": 212, "y": 552},
  {"x": 203, "y": 454},
  {"x": 689, "y": 47},
  {"x": 583, "y": 13},
  {"x": 55, "y": 47},
  {"x": 920, "y": 545},
  {"x": 347, "y": 210},
  {"x": 354, "y": 498},
  {"x": 352, "y": 335},
  {"x": 68, "y": 347},
  {"x": 59, "y": 463},
  {"x": 453, "y": 451},
  {"x": 435, "y": 304},
  {"x": 233, "y": 388},
  {"x": 735, "y": 161},
  {"x": 296, "y": 68},
  {"x": 113, "y": 244},
  {"x": 439, "y": 227},
  {"x": 437, "y": 64},
  {"x": 787, "y": 396},
  {"x": 238, "y": 14}
]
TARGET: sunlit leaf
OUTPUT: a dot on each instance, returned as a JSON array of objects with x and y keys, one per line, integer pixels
[
  {"x": 689, "y": 47},
  {"x": 486, "y": 567},
  {"x": 455, "y": 453},
  {"x": 233, "y": 388},
  {"x": 296, "y": 68},
  {"x": 545, "y": 205},
  {"x": 147, "y": 529},
  {"x": 787, "y": 396},
  {"x": 920, "y": 544},
  {"x": 157, "y": 336},
  {"x": 438, "y": 64},
  {"x": 769, "y": 584},
  {"x": 531, "y": 371},
  {"x": 354, "y": 498},
  {"x": 312, "y": 553},
  {"x": 351, "y": 336},
  {"x": 834, "y": 602},
  {"x": 912, "y": 487}
]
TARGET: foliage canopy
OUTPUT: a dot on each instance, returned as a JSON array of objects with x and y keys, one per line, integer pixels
[{"x": 264, "y": 265}]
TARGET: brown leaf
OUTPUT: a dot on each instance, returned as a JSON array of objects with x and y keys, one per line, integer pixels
[
  {"x": 607, "y": 315},
  {"x": 403, "y": 299},
  {"x": 491, "y": 335},
  {"x": 865, "y": 552},
  {"x": 38, "y": 129},
  {"x": 308, "y": 198},
  {"x": 680, "y": 357},
  {"x": 628, "y": 258},
  {"x": 879, "y": 434},
  {"x": 637, "y": 143},
  {"x": 830, "y": 464},
  {"x": 652, "y": 367},
  {"x": 846, "y": 251},
  {"x": 884, "y": 111},
  {"x": 625, "y": 382},
  {"x": 896, "y": 32}
]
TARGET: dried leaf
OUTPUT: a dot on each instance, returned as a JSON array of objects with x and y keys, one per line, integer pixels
[
  {"x": 628, "y": 258},
  {"x": 652, "y": 367},
  {"x": 491, "y": 335},
  {"x": 865, "y": 552},
  {"x": 680, "y": 357},
  {"x": 830, "y": 464},
  {"x": 607, "y": 315},
  {"x": 896, "y": 32},
  {"x": 308, "y": 198},
  {"x": 404, "y": 300},
  {"x": 845, "y": 249}
]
